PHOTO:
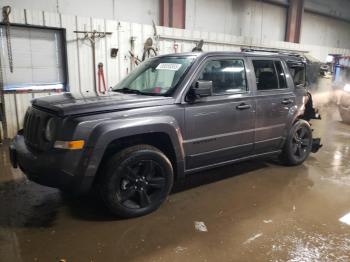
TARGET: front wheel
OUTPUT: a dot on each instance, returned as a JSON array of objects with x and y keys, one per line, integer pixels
[
  {"x": 136, "y": 181},
  {"x": 298, "y": 144}
]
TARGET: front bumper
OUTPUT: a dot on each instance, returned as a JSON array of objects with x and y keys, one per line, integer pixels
[{"x": 55, "y": 168}]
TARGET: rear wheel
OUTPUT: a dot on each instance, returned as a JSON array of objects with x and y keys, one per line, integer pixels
[
  {"x": 136, "y": 181},
  {"x": 298, "y": 144}
]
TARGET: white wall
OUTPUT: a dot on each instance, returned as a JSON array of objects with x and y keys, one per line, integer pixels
[
  {"x": 267, "y": 22},
  {"x": 324, "y": 31},
  {"x": 222, "y": 16},
  {"x": 138, "y": 11},
  {"x": 250, "y": 18},
  {"x": 242, "y": 18},
  {"x": 264, "y": 21},
  {"x": 337, "y": 8}
]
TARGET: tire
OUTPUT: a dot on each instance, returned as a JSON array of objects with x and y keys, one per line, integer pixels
[
  {"x": 298, "y": 145},
  {"x": 136, "y": 181}
]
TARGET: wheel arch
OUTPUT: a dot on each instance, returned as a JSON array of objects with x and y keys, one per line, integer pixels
[
  {"x": 160, "y": 132},
  {"x": 159, "y": 140}
]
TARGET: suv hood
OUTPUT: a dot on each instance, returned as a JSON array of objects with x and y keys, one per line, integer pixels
[{"x": 75, "y": 104}]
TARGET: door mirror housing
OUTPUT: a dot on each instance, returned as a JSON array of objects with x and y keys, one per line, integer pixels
[{"x": 202, "y": 88}]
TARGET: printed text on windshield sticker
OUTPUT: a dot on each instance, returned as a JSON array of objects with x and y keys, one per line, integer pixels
[{"x": 168, "y": 66}]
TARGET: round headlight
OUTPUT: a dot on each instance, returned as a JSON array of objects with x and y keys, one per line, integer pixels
[{"x": 50, "y": 129}]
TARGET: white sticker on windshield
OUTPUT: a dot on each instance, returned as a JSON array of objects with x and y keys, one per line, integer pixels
[{"x": 168, "y": 66}]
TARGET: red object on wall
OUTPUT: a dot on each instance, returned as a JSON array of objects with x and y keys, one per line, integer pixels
[
  {"x": 172, "y": 13},
  {"x": 101, "y": 78}
]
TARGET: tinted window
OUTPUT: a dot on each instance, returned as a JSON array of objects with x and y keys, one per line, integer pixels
[
  {"x": 265, "y": 74},
  {"x": 281, "y": 75},
  {"x": 228, "y": 76},
  {"x": 298, "y": 74}
]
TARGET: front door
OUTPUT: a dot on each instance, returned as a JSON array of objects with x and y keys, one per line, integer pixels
[
  {"x": 220, "y": 128},
  {"x": 274, "y": 100}
]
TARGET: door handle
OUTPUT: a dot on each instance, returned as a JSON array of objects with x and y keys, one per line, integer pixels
[
  {"x": 243, "y": 106},
  {"x": 287, "y": 101}
]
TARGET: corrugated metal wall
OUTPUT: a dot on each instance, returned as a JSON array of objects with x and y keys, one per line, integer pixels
[{"x": 79, "y": 56}]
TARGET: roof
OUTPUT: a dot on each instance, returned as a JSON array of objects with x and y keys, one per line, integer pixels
[{"x": 286, "y": 56}]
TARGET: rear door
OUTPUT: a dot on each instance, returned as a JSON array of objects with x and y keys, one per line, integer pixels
[
  {"x": 220, "y": 127},
  {"x": 274, "y": 100}
]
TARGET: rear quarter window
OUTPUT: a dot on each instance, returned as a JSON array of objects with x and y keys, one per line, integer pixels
[{"x": 298, "y": 73}]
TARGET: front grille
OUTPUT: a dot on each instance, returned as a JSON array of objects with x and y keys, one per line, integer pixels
[{"x": 33, "y": 129}]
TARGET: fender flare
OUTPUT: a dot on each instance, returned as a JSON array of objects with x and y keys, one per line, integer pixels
[
  {"x": 294, "y": 113},
  {"x": 107, "y": 132}
]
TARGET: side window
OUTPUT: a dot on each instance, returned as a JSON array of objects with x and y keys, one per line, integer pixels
[
  {"x": 298, "y": 73},
  {"x": 265, "y": 73},
  {"x": 281, "y": 75},
  {"x": 228, "y": 76}
]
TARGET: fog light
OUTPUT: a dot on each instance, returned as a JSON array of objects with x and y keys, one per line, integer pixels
[{"x": 71, "y": 145}]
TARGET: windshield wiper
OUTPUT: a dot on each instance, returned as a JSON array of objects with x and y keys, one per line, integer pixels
[{"x": 127, "y": 90}]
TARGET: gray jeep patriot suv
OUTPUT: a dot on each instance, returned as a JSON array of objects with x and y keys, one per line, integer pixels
[{"x": 172, "y": 116}]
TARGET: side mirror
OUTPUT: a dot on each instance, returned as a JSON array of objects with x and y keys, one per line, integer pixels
[{"x": 203, "y": 88}]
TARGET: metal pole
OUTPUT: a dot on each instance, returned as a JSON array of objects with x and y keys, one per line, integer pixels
[
  {"x": 2, "y": 103},
  {"x": 94, "y": 63},
  {"x": 91, "y": 36}
]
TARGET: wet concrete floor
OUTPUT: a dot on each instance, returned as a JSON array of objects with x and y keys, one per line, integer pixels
[{"x": 252, "y": 211}]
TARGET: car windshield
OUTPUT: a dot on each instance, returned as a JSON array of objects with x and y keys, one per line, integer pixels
[{"x": 156, "y": 76}]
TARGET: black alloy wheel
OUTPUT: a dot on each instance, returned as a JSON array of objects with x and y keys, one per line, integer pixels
[
  {"x": 298, "y": 144},
  {"x": 136, "y": 181},
  {"x": 141, "y": 183},
  {"x": 301, "y": 142}
]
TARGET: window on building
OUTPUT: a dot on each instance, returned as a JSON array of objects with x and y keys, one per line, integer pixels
[
  {"x": 38, "y": 58},
  {"x": 228, "y": 76}
]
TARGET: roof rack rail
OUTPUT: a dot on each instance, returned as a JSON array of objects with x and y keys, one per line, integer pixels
[
  {"x": 294, "y": 54},
  {"x": 276, "y": 51}
]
